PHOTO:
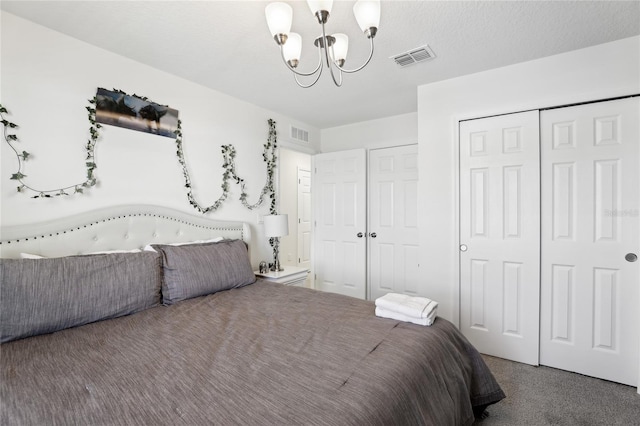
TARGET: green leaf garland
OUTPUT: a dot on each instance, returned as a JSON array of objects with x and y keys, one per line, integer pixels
[
  {"x": 23, "y": 156},
  {"x": 228, "y": 153},
  {"x": 229, "y": 166}
]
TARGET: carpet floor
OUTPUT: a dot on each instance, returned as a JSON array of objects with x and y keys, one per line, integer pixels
[{"x": 547, "y": 396}]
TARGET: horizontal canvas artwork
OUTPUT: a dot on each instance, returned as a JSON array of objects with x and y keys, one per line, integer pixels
[{"x": 131, "y": 112}]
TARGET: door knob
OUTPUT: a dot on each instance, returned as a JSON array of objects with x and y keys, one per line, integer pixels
[
  {"x": 360, "y": 235},
  {"x": 373, "y": 235},
  {"x": 631, "y": 257},
  {"x": 463, "y": 247}
]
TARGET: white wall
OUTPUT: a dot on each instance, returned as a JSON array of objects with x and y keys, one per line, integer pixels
[
  {"x": 602, "y": 71},
  {"x": 47, "y": 79},
  {"x": 381, "y": 133}
]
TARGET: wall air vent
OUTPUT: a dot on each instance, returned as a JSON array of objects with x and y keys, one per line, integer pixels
[
  {"x": 413, "y": 56},
  {"x": 300, "y": 135}
]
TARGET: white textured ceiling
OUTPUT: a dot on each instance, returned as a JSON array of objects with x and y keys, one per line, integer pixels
[{"x": 226, "y": 45}]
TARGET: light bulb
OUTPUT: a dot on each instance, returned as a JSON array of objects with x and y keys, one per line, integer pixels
[
  {"x": 292, "y": 49},
  {"x": 279, "y": 17},
  {"x": 319, "y": 5},
  {"x": 367, "y": 14},
  {"x": 340, "y": 47}
]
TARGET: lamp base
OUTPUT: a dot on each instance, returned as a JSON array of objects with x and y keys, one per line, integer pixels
[
  {"x": 277, "y": 267},
  {"x": 276, "y": 256}
]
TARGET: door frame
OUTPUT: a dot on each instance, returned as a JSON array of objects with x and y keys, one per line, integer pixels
[{"x": 310, "y": 276}]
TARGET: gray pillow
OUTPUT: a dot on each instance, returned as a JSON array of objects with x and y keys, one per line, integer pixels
[
  {"x": 45, "y": 295},
  {"x": 200, "y": 269}
]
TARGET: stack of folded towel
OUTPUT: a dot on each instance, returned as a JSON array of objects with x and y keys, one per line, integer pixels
[{"x": 417, "y": 310}]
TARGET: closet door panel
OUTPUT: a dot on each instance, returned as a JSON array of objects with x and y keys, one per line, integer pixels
[
  {"x": 500, "y": 235},
  {"x": 590, "y": 222},
  {"x": 340, "y": 216},
  {"x": 393, "y": 222}
]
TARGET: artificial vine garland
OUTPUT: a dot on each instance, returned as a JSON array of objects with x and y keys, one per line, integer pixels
[
  {"x": 228, "y": 152},
  {"x": 229, "y": 166},
  {"x": 23, "y": 156}
]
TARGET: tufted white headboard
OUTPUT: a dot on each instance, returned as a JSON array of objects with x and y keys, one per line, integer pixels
[{"x": 115, "y": 228}]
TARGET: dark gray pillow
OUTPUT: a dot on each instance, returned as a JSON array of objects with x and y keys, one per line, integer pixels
[
  {"x": 200, "y": 269},
  {"x": 45, "y": 295}
]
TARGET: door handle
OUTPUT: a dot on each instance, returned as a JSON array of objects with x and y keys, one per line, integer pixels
[
  {"x": 373, "y": 235},
  {"x": 360, "y": 235},
  {"x": 463, "y": 247},
  {"x": 631, "y": 257}
]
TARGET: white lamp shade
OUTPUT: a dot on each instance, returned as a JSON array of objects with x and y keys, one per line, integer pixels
[
  {"x": 340, "y": 47},
  {"x": 279, "y": 18},
  {"x": 276, "y": 225},
  {"x": 293, "y": 47},
  {"x": 318, "y": 5},
  {"x": 367, "y": 13}
]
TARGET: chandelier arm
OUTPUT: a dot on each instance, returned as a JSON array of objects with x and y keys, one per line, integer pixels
[
  {"x": 339, "y": 81},
  {"x": 330, "y": 63},
  {"x": 361, "y": 67},
  {"x": 306, "y": 86},
  {"x": 303, "y": 74},
  {"x": 319, "y": 70}
]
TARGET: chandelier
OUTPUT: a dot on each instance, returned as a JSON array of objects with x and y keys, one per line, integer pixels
[{"x": 332, "y": 48}]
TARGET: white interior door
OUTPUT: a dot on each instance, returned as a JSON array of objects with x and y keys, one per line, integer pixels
[
  {"x": 393, "y": 221},
  {"x": 589, "y": 293},
  {"x": 340, "y": 222},
  {"x": 500, "y": 235},
  {"x": 304, "y": 223},
  {"x": 304, "y": 218}
]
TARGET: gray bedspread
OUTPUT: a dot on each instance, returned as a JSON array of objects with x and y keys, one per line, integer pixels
[{"x": 265, "y": 354}]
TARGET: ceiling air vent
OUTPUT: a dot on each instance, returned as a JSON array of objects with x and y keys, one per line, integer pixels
[
  {"x": 414, "y": 56},
  {"x": 299, "y": 134}
]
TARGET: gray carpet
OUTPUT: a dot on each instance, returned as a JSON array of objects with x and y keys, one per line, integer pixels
[{"x": 547, "y": 396}]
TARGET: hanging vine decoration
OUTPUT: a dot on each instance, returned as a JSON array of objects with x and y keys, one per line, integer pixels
[
  {"x": 90, "y": 162},
  {"x": 228, "y": 153},
  {"x": 229, "y": 166}
]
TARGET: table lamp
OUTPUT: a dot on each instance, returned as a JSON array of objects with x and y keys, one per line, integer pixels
[{"x": 276, "y": 226}]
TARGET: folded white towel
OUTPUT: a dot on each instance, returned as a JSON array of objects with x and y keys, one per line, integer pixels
[
  {"x": 383, "y": 313},
  {"x": 411, "y": 306}
]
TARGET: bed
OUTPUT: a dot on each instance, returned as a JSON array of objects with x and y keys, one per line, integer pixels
[{"x": 187, "y": 335}]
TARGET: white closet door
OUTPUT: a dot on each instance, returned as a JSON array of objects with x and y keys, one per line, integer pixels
[
  {"x": 393, "y": 221},
  {"x": 500, "y": 235},
  {"x": 340, "y": 222},
  {"x": 589, "y": 292}
]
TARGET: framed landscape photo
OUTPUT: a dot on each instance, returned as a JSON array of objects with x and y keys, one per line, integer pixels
[{"x": 122, "y": 110}]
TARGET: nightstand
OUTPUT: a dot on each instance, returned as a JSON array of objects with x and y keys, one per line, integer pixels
[{"x": 292, "y": 275}]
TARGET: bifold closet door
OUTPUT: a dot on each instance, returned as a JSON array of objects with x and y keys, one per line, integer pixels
[
  {"x": 500, "y": 235},
  {"x": 340, "y": 207},
  {"x": 590, "y": 239}
]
